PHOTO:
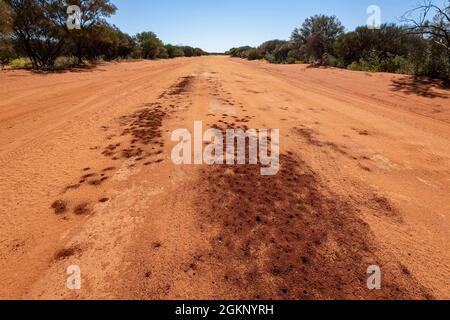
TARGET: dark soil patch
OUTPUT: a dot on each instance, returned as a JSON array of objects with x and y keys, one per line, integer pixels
[
  {"x": 66, "y": 253},
  {"x": 60, "y": 206},
  {"x": 82, "y": 209},
  {"x": 384, "y": 207},
  {"x": 72, "y": 187},
  {"x": 156, "y": 245},
  {"x": 98, "y": 182},
  {"x": 181, "y": 87},
  {"x": 309, "y": 135},
  {"x": 364, "y": 133},
  {"x": 288, "y": 237},
  {"x": 311, "y": 138},
  {"x": 145, "y": 127}
]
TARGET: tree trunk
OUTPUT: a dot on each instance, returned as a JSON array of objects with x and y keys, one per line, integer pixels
[
  {"x": 447, "y": 81},
  {"x": 79, "y": 53}
]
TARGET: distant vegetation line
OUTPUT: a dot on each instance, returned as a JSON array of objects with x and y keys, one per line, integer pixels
[
  {"x": 37, "y": 30},
  {"x": 421, "y": 46}
]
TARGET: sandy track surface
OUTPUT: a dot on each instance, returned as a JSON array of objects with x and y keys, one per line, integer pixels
[{"x": 87, "y": 180}]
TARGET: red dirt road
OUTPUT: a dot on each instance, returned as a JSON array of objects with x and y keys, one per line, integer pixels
[{"x": 87, "y": 180}]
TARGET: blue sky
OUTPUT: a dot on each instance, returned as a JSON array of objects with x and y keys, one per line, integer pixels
[{"x": 218, "y": 25}]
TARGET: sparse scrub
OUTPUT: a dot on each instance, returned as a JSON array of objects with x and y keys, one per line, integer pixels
[
  {"x": 35, "y": 29},
  {"x": 174, "y": 52},
  {"x": 65, "y": 62},
  {"x": 253, "y": 54},
  {"x": 20, "y": 63},
  {"x": 420, "y": 47}
]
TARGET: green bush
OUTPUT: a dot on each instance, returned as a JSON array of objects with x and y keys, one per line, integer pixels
[
  {"x": 354, "y": 66},
  {"x": 364, "y": 65},
  {"x": 392, "y": 48},
  {"x": 437, "y": 64},
  {"x": 316, "y": 37},
  {"x": 149, "y": 44},
  {"x": 293, "y": 56},
  {"x": 65, "y": 62},
  {"x": 253, "y": 54},
  {"x": 397, "y": 64},
  {"x": 163, "y": 53},
  {"x": 20, "y": 63},
  {"x": 290, "y": 60},
  {"x": 7, "y": 53},
  {"x": 332, "y": 61},
  {"x": 270, "y": 58},
  {"x": 174, "y": 52}
]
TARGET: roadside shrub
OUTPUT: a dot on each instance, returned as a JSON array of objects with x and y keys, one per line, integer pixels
[
  {"x": 253, "y": 54},
  {"x": 240, "y": 52},
  {"x": 363, "y": 65},
  {"x": 333, "y": 61},
  {"x": 20, "y": 63},
  {"x": 199, "y": 52},
  {"x": 290, "y": 60},
  {"x": 354, "y": 66},
  {"x": 278, "y": 51},
  {"x": 7, "y": 53},
  {"x": 270, "y": 58},
  {"x": 397, "y": 64},
  {"x": 438, "y": 63},
  {"x": 173, "y": 51},
  {"x": 369, "y": 64},
  {"x": 293, "y": 56},
  {"x": 65, "y": 62},
  {"x": 149, "y": 44},
  {"x": 192, "y": 52},
  {"x": 163, "y": 53},
  {"x": 392, "y": 48},
  {"x": 37, "y": 29},
  {"x": 316, "y": 37}
]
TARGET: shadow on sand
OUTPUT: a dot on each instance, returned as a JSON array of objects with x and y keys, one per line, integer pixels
[{"x": 421, "y": 86}]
